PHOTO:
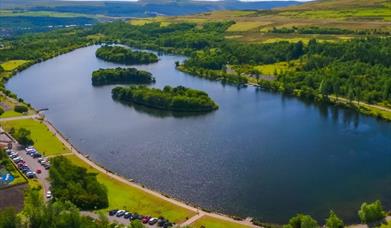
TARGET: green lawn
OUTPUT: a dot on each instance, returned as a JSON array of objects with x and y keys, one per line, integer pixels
[
  {"x": 210, "y": 222},
  {"x": 44, "y": 140},
  {"x": 13, "y": 64},
  {"x": 10, "y": 113},
  {"x": 123, "y": 196}
]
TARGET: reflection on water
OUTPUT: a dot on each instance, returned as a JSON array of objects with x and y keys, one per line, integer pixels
[{"x": 261, "y": 154}]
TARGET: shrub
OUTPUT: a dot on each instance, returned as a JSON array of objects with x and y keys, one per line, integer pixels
[
  {"x": 333, "y": 221},
  {"x": 1, "y": 110},
  {"x": 21, "y": 108},
  {"x": 371, "y": 212},
  {"x": 302, "y": 221}
]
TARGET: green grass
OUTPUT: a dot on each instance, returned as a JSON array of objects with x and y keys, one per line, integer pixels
[
  {"x": 13, "y": 64},
  {"x": 123, "y": 196},
  {"x": 271, "y": 69},
  {"x": 10, "y": 113},
  {"x": 44, "y": 140},
  {"x": 13, "y": 13},
  {"x": 210, "y": 222},
  {"x": 246, "y": 26}
]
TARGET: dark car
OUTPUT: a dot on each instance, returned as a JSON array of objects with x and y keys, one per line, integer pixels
[
  {"x": 167, "y": 224},
  {"x": 135, "y": 216},
  {"x": 161, "y": 222},
  {"x": 127, "y": 215},
  {"x": 37, "y": 155},
  {"x": 113, "y": 212}
]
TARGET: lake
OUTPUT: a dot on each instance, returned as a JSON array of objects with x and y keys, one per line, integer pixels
[{"x": 261, "y": 154}]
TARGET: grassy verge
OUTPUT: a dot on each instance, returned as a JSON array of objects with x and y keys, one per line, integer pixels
[
  {"x": 44, "y": 140},
  {"x": 10, "y": 113},
  {"x": 123, "y": 196},
  {"x": 210, "y": 222},
  {"x": 13, "y": 64}
]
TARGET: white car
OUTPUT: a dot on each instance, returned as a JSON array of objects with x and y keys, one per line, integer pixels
[{"x": 48, "y": 194}]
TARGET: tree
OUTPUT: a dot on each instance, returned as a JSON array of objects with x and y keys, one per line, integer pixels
[
  {"x": 23, "y": 136},
  {"x": 8, "y": 218},
  {"x": 302, "y": 221},
  {"x": 20, "y": 108},
  {"x": 333, "y": 221},
  {"x": 371, "y": 212}
]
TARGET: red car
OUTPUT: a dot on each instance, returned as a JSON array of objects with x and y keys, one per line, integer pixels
[
  {"x": 38, "y": 171},
  {"x": 145, "y": 219}
]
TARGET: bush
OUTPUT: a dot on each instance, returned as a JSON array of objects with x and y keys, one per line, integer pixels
[
  {"x": 1, "y": 110},
  {"x": 302, "y": 221},
  {"x": 21, "y": 108},
  {"x": 371, "y": 212},
  {"x": 333, "y": 221}
]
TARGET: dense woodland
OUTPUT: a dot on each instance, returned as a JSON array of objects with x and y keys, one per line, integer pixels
[
  {"x": 358, "y": 69},
  {"x": 174, "y": 99},
  {"x": 73, "y": 183},
  {"x": 121, "y": 76},
  {"x": 124, "y": 55}
]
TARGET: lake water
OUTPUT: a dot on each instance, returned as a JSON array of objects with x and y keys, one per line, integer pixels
[{"x": 261, "y": 154}]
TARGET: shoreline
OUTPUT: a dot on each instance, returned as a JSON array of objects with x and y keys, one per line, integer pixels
[{"x": 199, "y": 212}]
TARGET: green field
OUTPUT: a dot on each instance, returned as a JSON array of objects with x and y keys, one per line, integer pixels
[
  {"x": 123, "y": 196},
  {"x": 210, "y": 222},
  {"x": 10, "y": 113},
  {"x": 44, "y": 140},
  {"x": 272, "y": 69},
  {"x": 13, "y": 64}
]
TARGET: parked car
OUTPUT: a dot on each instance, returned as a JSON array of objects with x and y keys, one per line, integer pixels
[
  {"x": 49, "y": 195},
  {"x": 145, "y": 219},
  {"x": 37, "y": 155},
  {"x": 17, "y": 159},
  {"x": 167, "y": 224},
  {"x": 152, "y": 221},
  {"x": 127, "y": 215},
  {"x": 113, "y": 212},
  {"x": 30, "y": 174},
  {"x": 120, "y": 213},
  {"x": 161, "y": 222},
  {"x": 46, "y": 166},
  {"x": 39, "y": 171},
  {"x": 135, "y": 216}
]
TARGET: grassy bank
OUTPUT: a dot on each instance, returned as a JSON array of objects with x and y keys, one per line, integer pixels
[
  {"x": 210, "y": 222},
  {"x": 44, "y": 140}
]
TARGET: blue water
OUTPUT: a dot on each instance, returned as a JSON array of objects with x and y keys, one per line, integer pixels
[{"x": 261, "y": 154}]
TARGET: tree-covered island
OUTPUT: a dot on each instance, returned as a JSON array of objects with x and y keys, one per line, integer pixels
[
  {"x": 118, "y": 54},
  {"x": 121, "y": 76},
  {"x": 173, "y": 99}
]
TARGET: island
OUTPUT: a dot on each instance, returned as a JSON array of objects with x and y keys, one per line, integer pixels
[
  {"x": 121, "y": 76},
  {"x": 118, "y": 54},
  {"x": 179, "y": 98}
]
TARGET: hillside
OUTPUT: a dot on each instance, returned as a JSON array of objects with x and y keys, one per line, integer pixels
[{"x": 334, "y": 19}]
